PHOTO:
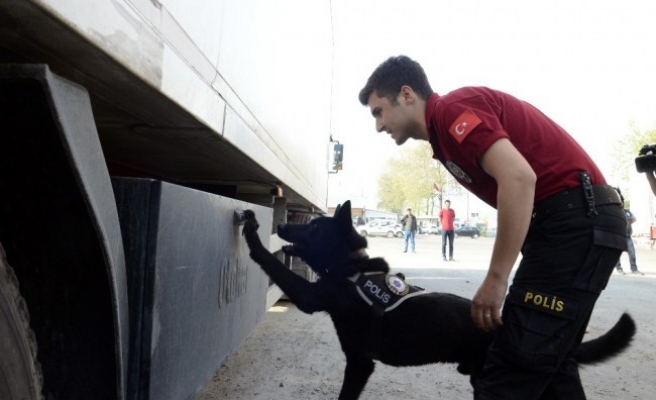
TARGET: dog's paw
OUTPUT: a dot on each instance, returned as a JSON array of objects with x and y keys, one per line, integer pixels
[{"x": 250, "y": 223}]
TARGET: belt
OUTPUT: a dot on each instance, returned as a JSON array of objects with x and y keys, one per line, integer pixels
[{"x": 573, "y": 198}]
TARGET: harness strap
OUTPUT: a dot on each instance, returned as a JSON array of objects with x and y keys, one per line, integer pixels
[{"x": 382, "y": 293}]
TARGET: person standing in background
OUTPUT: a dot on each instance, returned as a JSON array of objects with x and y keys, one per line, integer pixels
[
  {"x": 409, "y": 223},
  {"x": 630, "y": 219},
  {"x": 447, "y": 216}
]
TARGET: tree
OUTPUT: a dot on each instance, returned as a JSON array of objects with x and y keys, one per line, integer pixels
[{"x": 407, "y": 180}]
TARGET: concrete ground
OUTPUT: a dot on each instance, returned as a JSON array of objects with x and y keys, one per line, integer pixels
[{"x": 296, "y": 356}]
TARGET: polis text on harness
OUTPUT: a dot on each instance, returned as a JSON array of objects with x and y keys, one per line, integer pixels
[{"x": 383, "y": 293}]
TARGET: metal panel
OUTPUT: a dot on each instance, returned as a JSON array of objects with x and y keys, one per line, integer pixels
[{"x": 201, "y": 293}]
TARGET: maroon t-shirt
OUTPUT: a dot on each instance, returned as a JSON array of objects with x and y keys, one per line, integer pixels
[{"x": 463, "y": 124}]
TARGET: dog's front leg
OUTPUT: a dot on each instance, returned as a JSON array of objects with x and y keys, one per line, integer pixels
[
  {"x": 357, "y": 373},
  {"x": 299, "y": 290}
]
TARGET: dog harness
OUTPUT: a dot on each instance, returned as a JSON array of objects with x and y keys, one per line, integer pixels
[{"x": 383, "y": 293}]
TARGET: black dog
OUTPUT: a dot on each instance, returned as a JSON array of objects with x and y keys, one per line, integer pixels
[{"x": 378, "y": 316}]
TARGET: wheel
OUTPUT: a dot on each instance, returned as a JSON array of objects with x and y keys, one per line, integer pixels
[
  {"x": 390, "y": 234},
  {"x": 20, "y": 374},
  {"x": 399, "y": 234},
  {"x": 475, "y": 235}
]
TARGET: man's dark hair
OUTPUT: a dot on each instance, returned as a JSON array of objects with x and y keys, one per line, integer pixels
[{"x": 391, "y": 75}]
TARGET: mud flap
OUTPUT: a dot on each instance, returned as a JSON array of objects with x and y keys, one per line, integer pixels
[{"x": 60, "y": 227}]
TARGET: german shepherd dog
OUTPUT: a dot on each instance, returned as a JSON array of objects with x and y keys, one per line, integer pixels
[{"x": 420, "y": 328}]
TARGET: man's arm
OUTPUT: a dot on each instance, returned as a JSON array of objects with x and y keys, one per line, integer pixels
[
  {"x": 652, "y": 181},
  {"x": 516, "y": 193}
]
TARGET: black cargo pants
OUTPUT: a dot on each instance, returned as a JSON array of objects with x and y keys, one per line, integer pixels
[{"x": 567, "y": 260}]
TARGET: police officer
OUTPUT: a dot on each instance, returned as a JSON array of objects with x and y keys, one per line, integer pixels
[{"x": 553, "y": 205}]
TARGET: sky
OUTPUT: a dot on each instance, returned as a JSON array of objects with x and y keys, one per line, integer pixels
[{"x": 588, "y": 65}]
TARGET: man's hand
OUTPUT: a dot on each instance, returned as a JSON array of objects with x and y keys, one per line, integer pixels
[
  {"x": 486, "y": 304},
  {"x": 646, "y": 160}
]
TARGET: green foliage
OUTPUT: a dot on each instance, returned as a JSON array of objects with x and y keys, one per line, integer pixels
[{"x": 408, "y": 179}]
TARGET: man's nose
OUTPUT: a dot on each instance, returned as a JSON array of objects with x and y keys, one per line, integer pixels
[{"x": 380, "y": 126}]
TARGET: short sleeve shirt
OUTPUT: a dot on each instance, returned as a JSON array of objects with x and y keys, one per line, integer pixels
[
  {"x": 447, "y": 216},
  {"x": 463, "y": 124}
]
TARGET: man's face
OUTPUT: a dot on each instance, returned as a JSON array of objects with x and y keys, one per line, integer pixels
[
  {"x": 447, "y": 205},
  {"x": 395, "y": 119}
]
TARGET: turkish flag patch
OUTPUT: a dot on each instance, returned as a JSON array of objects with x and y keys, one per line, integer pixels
[{"x": 463, "y": 125}]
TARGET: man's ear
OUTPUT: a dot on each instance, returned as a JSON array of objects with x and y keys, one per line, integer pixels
[{"x": 407, "y": 94}]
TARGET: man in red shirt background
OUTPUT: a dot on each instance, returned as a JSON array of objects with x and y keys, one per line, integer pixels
[{"x": 447, "y": 216}]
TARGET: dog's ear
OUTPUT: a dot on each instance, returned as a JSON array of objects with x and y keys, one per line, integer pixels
[
  {"x": 343, "y": 213},
  {"x": 344, "y": 209}
]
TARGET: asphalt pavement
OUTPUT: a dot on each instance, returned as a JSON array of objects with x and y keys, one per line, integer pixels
[
  {"x": 631, "y": 293},
  {"x": 472, "y": 254}
]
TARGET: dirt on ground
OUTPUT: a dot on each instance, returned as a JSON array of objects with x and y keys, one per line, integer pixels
[{"x": 295, "y": 356}]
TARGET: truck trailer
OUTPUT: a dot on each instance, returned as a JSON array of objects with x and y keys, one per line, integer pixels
[{"x": 132, "y": 132}]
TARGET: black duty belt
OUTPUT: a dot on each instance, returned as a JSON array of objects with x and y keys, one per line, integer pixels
[{"x": 573, "y": 198}]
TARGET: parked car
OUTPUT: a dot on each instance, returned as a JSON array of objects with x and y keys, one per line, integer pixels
[
  {"x": 433, "y": 230},
  {"x": 358, "y": 220},
  {"x": 470, "y": 231},
  {"x": 381, "y": 227}
]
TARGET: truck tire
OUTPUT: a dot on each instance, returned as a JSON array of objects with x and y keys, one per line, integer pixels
[{"x": 20, "y": 374}]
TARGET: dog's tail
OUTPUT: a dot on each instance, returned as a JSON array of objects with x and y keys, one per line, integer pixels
[{"x": 608, "y": 345}]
